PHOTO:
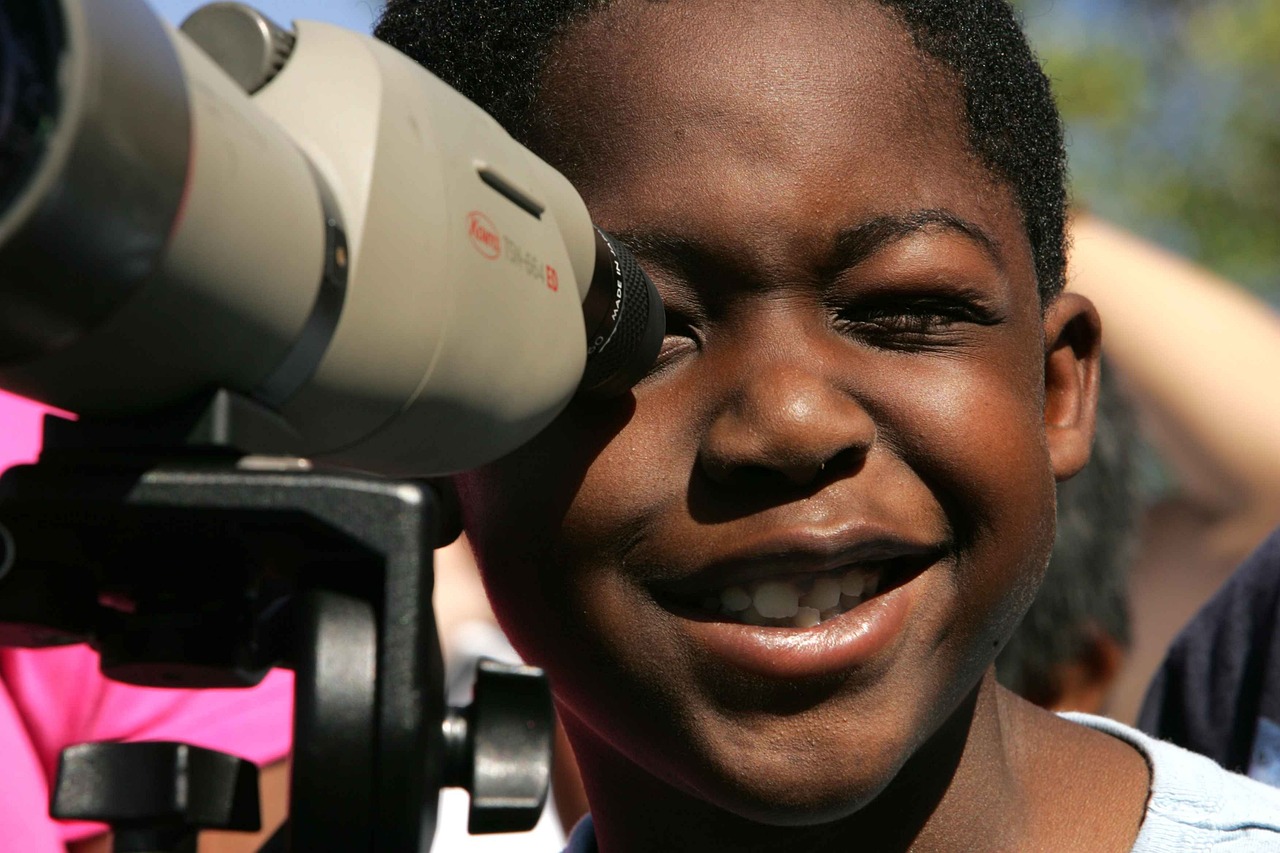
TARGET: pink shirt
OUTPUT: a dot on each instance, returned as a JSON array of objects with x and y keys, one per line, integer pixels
[{"x": 52, "y": 698}]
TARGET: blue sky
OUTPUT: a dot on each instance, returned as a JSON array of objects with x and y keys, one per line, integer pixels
[{"x": 354, "y": 14}]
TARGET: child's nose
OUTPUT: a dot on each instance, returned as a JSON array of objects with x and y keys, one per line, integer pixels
[{"x": 789, "y": 422}]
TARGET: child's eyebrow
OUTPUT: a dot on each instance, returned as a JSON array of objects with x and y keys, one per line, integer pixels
[{"x": 852, "y": 245}]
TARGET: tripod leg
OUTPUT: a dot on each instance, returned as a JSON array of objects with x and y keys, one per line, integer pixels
[{"x": 331, "y": 804}]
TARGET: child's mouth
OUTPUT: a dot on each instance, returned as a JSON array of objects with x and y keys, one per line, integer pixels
[
  {"x": 800, "y": 621},
  {"x": 797, "y": 601},
  {"x": 803, "y": 600}
]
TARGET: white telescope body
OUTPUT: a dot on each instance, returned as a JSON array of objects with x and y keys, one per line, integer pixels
[{"x": 355, "y": 245}]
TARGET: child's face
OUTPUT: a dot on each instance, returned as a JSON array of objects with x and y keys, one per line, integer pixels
[{"x": 854, "y": 378}]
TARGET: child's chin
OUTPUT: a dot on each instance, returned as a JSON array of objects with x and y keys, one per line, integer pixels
[
  {"x": 802, "y": 808},
  {"x": 799, "y": 795}
]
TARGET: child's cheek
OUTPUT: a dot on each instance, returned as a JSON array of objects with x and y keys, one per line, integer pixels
[{"x": 976, "y": 438}]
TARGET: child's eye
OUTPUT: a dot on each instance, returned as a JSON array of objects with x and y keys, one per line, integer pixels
[
  {"x": 680, "y": 340},
  {"x": 912, "y": 322}
]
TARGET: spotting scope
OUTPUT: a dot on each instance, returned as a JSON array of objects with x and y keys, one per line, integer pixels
[{"x": 305, "y": 217}]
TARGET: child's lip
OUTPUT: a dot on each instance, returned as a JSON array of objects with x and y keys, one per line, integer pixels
[
  {"x": 796, "y": 553},
  {"x": 847, "y": 642}
]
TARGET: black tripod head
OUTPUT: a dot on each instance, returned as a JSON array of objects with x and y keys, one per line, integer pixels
[{"x": 186, "y": 564}]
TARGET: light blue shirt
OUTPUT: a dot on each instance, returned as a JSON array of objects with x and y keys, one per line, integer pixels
[{"x": 1194, "y": 805}]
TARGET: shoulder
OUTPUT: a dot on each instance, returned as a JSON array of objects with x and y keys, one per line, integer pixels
[{"x": 1195, "y": 804}]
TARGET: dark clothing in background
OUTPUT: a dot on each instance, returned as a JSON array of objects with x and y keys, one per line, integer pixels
[{"x": 1218, "y": 690}]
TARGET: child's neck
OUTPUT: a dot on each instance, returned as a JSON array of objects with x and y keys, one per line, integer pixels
[{"x": 999, "y": 775}]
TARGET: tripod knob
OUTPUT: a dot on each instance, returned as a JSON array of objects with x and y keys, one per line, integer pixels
[
  {"x": 499, "y": 747},
  {"x": 156, "y": 795}
]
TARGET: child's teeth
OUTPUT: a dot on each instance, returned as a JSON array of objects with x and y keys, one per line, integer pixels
[
  {"x": 824, "y": 595},
  {"x": 852, "y": 583},
  {"x": 806, "y": 617},
  {"x": 799, "y": 602},
  {"x": 776, "y": 599},
  {"x": 735, "y": 599}
]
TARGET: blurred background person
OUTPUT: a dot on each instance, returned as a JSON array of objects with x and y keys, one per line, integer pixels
[
  {"x": 1198, "y": 357},
  {"x": 56, "y": 697},
  {"x": 1218, "y": 690},
  {"x": 1173, "y": 133},
  {"x": 1189, "y": 373}
]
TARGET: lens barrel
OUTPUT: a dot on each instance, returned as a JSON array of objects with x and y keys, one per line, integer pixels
[{"x": 31, "y": 39}]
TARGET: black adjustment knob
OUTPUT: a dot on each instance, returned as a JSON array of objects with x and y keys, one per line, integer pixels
[
  {"x": 499, "y": 747},
  {"x": 156, "y": 795}
]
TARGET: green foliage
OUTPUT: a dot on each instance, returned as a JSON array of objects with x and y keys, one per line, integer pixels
[{"x": 1173, "y": 121}]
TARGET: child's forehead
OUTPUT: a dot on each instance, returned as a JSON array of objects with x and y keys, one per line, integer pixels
[
  {"x": 790, "y": 121},
  {"x": 747, "y": 30},
  {"x": 732, "y": 68}
]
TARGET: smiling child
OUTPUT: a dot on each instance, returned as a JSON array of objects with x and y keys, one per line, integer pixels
[{"x": 769, "y": 584}]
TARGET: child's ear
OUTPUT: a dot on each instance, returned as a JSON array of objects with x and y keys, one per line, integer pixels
[{"x": 1073, "y": 339}]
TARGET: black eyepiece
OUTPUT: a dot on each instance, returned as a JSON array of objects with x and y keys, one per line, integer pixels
[{"x": 624, "y": 319}]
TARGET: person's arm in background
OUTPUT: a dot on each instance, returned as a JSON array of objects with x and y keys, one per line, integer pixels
[{"x": 1200, "y": 359}]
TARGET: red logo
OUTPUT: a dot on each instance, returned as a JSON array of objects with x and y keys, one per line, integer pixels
[
  {"x": 483, "y": 235},
  {"x": 553, "y": 278}
]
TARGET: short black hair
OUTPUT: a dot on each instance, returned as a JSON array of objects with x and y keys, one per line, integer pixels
[
  {"x": 1086, "y": 587},
  {"x": 495, "y": 51}
]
